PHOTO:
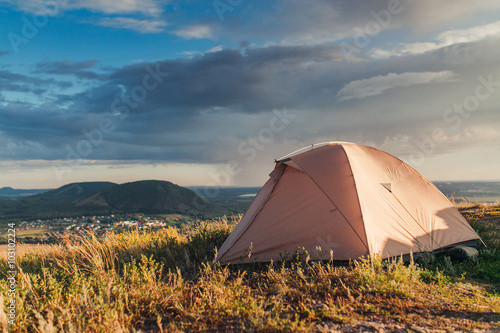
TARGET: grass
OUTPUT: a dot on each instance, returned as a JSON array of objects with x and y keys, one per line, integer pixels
[
  {"x": 39, "y": 234},
  {"x": 30, "y": 232},
  {"x": 23, "y": 249},
  {"x": 165, "y": 282}
]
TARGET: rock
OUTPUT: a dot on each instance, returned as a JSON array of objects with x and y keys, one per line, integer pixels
[
  {"x": 273, "y": 292},
  {"x": 320, "y": 305},
  {"x": 364, "y": 328},
  {"x": 286, "y": 315},
  {"x": 462, "y": 253},
  {"x": 418, "y": 329}
]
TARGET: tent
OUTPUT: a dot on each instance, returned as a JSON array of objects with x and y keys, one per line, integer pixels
[{"x": 348, "y": 200}]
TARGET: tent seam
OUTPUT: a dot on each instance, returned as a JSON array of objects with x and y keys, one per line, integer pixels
[{"x": 359, "y": 202}]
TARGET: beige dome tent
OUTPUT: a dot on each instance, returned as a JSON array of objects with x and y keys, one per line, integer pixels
[{"x": 346, "y": 198}]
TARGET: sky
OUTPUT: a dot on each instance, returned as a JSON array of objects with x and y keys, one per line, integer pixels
[{"x": 210, "y": 93}]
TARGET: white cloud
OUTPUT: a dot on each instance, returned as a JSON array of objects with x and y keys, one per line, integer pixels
[
  {"x": 191, "y": 54},
  {"x": 215, "y": 49},
  {"x": 142, "y": 26},
  {"x": 146, "y": 7},
  {"x": 194, "y": 32},
  {"x": 444, "y": 39},
  {"x": 379, "y": 84},
  {"x": 469, "y": 35}
]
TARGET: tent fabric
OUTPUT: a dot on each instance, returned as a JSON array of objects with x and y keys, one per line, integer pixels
[{"x": 346, "y": 199}]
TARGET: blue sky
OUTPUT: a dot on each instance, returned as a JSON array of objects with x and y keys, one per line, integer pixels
[{"x": 211, "y": 92}]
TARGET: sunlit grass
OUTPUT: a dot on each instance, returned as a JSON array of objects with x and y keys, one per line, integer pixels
[{"x": 166, "y": 282}]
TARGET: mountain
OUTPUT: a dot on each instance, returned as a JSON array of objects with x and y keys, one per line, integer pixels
[
  {"x": 72, "y": 192},
  {"x": 97, "y": 198},
  {"x": 11, "y": 193},
  {"x": 150, "y": 197}
]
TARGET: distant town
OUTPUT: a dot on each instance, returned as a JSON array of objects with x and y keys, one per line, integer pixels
[{"x": 54, "y": 229}]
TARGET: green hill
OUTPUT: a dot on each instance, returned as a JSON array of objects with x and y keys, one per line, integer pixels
[
  {"x": 72, "y": 192},
  {"x": 92, "y": 198},
  {"x": 150, "y": 197}
]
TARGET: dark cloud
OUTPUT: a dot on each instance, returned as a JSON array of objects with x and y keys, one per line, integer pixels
[
  {"x": 294, "y": 54},
  {"x": 21, "y": 83},
  {"x": 300, "y": 22},
  {"x": 210, "y": 103},
  {"x": 249, "y": 81},
  {"x": 65, "y": 67}
]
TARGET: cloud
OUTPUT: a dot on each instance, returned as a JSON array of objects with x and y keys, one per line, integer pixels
[
  {"x": 302, "y": 22},
  {"x": 443, "y": 39},
  {"x": 252, "y": 80},
  {"x": 194, "y": 32},
  {"x": 473, "y": 34},
  {"x": 425, "y": 15},
  {"x": 216, "y": 48},
  {"x": 4, "y": 53},
  {"x": 142, "y": 26},
  {"x": 379, "y": 84},
  {"x": 66, "y": 67},
  {"x": 268, "y": 55},
  {"x": 145, "y": 7},
  {"x": 212, "y": 102},
  {"x": 21, "y": 83},
  {"x": 199, "y": 96}
]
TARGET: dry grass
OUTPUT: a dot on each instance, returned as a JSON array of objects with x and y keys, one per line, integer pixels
[
  {"x": 23, "y": 249},
  {"x": 165, "y": 282},
  {"x": 485, "y": 219}
]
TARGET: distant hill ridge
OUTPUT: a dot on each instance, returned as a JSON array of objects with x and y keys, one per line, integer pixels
[
  {"x": 73, "y": 192},
  {"x": 147, "y": 196},
  {"x": 11, "y": 193},
  {"x": 92, "y": 198}
]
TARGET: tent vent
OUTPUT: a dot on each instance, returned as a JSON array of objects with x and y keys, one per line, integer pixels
[{"x": 387, "y": 186}]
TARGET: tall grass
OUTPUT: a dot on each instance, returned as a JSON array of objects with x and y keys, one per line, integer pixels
[{"x": 165, "y": 282}]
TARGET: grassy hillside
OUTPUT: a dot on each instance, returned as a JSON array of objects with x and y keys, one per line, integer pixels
[
  {"x": 54, "y": 203},
  {"x": 165, "y": 282},
  {"x": 149, "y": 197},
  {"x": 94, "y": 198},
  {"x": 72, "y": 192},
  {"x": 10, "y": 193}
]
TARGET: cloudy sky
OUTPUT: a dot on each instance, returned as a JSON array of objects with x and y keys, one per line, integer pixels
[{"x": 211, "y": 92}]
